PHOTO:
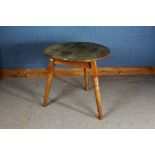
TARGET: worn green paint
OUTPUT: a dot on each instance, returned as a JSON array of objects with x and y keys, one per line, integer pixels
[{"x": 77, "y": 51}]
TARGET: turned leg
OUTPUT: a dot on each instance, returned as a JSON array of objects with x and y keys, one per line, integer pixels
[
  {"x": 51, "y": 67},
  {"x": 86, "y": 79},
  {"x": 97, "y": 89}
]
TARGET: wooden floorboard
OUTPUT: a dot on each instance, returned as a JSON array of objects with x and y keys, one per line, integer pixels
[{"x": 40, "y": 73}]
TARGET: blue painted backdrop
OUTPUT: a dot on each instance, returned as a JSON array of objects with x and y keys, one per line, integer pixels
[{"x": 22, "y": 47}]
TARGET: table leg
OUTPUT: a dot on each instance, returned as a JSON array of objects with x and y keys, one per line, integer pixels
[
  {"x": 86, "y": 79},
  {"x": 51, "y": 67},
  {"x": 97, "y": 89}
]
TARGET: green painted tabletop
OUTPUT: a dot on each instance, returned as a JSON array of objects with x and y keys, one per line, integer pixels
[{"x": 77, "y": 51}]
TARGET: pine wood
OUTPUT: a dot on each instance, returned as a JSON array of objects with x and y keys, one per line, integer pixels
[
  {"x": 92, "y": 65},
  {"x": 73, "y": 63},
  {"x": 86, "y": 79},
  {"x": 42, "y": 73},
  {"x": 97, "y": 88},
  {"x": 51, "y": 67}
]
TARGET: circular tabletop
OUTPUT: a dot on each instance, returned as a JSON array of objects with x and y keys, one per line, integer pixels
[{"x": 77, "y": 51}]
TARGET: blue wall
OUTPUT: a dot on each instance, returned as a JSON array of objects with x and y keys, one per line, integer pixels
[{"x": 22, "y": 47}]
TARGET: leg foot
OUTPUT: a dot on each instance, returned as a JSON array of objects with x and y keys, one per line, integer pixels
[{"x": 45, "y": 104}]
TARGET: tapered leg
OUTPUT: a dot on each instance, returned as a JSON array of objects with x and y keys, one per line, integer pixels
[
  {"x": 97, "y": 89},
  {"x": 51, "y": 67},
  {"x": 86, "y": 79}
]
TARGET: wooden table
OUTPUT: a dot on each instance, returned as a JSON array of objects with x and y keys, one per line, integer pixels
[{"x": 81, "y": 54}]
